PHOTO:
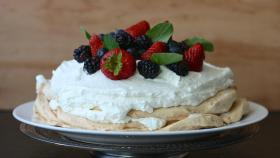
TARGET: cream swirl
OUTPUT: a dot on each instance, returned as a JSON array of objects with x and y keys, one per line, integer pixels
[{"x": 78, "y": 93}]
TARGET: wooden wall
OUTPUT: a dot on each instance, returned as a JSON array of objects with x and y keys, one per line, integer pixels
[{"x": 35, "y": 36}]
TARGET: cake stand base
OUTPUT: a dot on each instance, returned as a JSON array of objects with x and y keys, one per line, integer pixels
[
  {"x": 172, "y": 150},
  {"x": 95, "y": 154}
]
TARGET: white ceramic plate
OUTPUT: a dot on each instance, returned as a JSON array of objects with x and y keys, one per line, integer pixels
[{"x": 23, "y": 113}]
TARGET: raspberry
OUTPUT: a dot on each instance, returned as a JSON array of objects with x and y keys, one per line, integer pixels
[
  {"x": 82, "y": 53},
  {"x": 91, "y": 65},
  {"x": 148, "y": 69},
  {"x": 181, "y": 68}
]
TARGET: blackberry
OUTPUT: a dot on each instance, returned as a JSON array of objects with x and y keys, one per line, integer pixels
[
  {"x": 92, "y": 65},
  {"x": 181, "y": 68},
  {"x": 123, "y": 38},
  {"x": 176, "y": 47},
  {"x": 101, "y": 52},
  {"x": 82, "y": 53},
  {"x": 143, "y": 42},
  {"x": 148, "y": 69}
]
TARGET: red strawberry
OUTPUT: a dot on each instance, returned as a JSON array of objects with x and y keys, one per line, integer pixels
[
  {"x": 95, "y": 43},
  {"x": 156, "y": 47},
  {"x": 138, "y": 29},
  {"x": 118, "y": 64},
  {"x": 195, "y": 56}
]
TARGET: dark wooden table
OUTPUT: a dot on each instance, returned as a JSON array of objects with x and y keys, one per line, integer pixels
[{"x": 13, "y": 144}]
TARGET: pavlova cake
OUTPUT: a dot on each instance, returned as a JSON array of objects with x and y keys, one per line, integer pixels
[{"x": 139, "y": 79}]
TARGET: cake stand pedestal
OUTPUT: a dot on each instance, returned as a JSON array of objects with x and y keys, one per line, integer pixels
[{"x": 170, "y": 150}]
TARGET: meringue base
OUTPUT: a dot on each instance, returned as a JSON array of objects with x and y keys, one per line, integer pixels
[{"x": 224, "y": 108}]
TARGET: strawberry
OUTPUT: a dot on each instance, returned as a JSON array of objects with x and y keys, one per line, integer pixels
[
  {"x": 138, "y": 29},
  {"x": 195, "y": 56},
  {"x": 118, "y": 64},
  {"x": 157, "y": 47},
  {"x": 95, "y": 44}
]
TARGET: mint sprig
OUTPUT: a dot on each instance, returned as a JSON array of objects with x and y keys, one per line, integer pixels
[
  {"x": 166, "y": 58},
  {"x": 207, "y": 45},
  {"x": 84, "y": 31},
  {"x": 161, "y": 32},
  {"x": 110, "y": 42}
]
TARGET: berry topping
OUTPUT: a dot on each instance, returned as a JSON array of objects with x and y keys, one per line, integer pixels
[
  {"x": 143, "y": 42},
  {"x": 118, "y": 64},
  {"x": 134, "y": 52},
  {"x": 91, "y": 65},
  {"x": 123, "y": 38},
  {"x": 115, "y": 53},
  {"x": 148, "y": 69},
  {"x": 82, "y": 53},
  {"x": 195, "y": 56},
  {"x": 101, "y": 52},
  {"x": 176, "y": 47},
  {"x": 138, "y": 29},
  {"x": 95, "y": 44},
  {"x": 180, "y": 68},
  {"x": 156, "y": 47}
]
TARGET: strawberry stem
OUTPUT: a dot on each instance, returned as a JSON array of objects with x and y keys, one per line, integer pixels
[{"x": 114, "y": 63}]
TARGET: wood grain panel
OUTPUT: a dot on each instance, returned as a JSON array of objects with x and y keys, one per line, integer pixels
[{"x": 35, "y": 36}]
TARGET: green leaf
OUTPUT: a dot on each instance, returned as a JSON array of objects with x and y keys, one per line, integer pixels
[
  {"x": 207, "y": 45},
  {"x": 83, "y": 30},
  {"x": 161, "y": 32},
  {"x": 109, "y": 42},
  {"x": 114, "y": 63},
  {"x": 166, "y": 58}
]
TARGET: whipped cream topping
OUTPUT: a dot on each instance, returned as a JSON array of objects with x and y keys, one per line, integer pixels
[{"x": 76, "y": 92}]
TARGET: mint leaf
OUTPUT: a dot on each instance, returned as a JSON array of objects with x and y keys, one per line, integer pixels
[
  {"x": 161, "y": 32},
  {"x": 207, "y": 45},
  {"x": 166, "y": 58},
  {"x": 109, "y": 42},
  {"x": 83, "y": 30}
]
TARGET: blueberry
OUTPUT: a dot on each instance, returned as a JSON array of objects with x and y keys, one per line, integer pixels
[
  {"x": 135, "y": 52},
  {"x": 124, "y": 39},
  {"x": 184, "y": 46},
  {"x": 101, "y": 36},
  {"x": 176, "y": 47},
  {"x": 101, "y": 52},
  {"x": 143, "y": 42},
  {"x": 112, "y": 34}
]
